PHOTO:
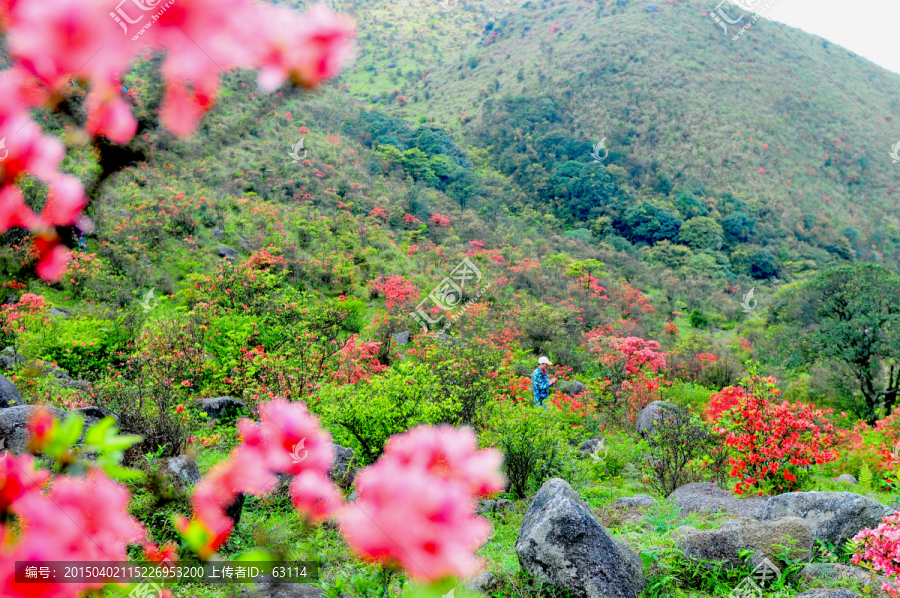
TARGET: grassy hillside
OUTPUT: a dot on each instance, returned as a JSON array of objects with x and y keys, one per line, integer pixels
[{"x": 795, "y": 128}]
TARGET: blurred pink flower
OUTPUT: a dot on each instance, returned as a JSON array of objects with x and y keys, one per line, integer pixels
[
  {"x": 415, "y": 504},
  {"x": 314, "y": 495}
]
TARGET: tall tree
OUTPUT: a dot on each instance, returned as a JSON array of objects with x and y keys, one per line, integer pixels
[{"x": 849, "y": 315}]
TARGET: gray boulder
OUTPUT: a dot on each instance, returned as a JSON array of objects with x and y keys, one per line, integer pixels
[
  {"x": 828, "y": 593},
  {"x": 768, "y": 539},
  {"x": 93, "y": 414},
  {"x": 13, "y": 426},
  {"x": 833, "y": 516},
  {"x": 570, "y": 387},
  {"x": 185, "y": 471},
  {"x": 652, "y": 413},
  {"x": 221, "y": 408},
  {"x": 630, "y": 502},
  {"x": 145, "y": 262},
  {"x": 227, "y": 252},
  {"x": 563, "y": 543},
  {"x": 267, "y": 587},
  {"x": 494, "y": 506},
  {"x": 63, "y": 378},
  {"x": 706, "y": 497},
  {"x": 483, "y": 583},
  {"x": 218, "y": 233},
  {"x": 401, "y": 338},
  {"x": 9, "y": 394},
  {"x": 11, "y": 300},
  {"x": 345, "y": 467},
  {"x": 846, "y": 478},
  {"x": 61, "y": 312},
  {"x": 10, "y": 359}
]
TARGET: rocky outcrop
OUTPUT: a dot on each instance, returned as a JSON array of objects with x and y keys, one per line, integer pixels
[
  {"x": 10, "y": 359},
  {"x": 400, "y": 338},
  {"x": 483, "y": 583},
  {"x": 588, "y": 447},
  {"x": 833, "y": 516},
  {"x": 222, "y": 409},
  {"x": 570, "y": 387},
  {"x": 846, "y": 478},
  {"x": 562, "y": 542},
  {"x": 631, "y": 502},
  {"x": 227, "y": 252},
  {"x": 14, "y": 426},
  {"x": 268, "y": 587},
  {"x": 345, "y": 467},
  {"x": 490, "y": 506},
  {"x": 706, "y": 497},
  {"x": 768, "y": 539},
  {"x": 652, "y": 413},
  {"x": 829, "y": 573},
  {"x": 184, "y": 470},
  {"x": 9, "y": 394}
]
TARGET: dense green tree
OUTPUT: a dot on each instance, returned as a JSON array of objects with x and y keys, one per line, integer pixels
[
  {"x": 848, "y": 315},
  {"x": 649, "y": 223},
  {"x": 701, "y": 233},
  {"x": 583, "y": 190},
  {"x": 739, "y": 226},
  {"x": 674, "y": 256}
]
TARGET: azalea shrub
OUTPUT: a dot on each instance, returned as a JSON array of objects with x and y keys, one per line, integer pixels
[
  {"x": 632, "y": 368},
  {"x": 535, "y": 446},
  {"x": 774, "y": 443},
  {"x": 364, "y": 415},
  {"x": 871, "y": 447},
  {"x": 683, "y": 449},
  {"x": 878, "y": 550}
]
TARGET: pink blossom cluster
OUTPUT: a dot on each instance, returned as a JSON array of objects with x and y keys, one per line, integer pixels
[
  {"x": 415, "y": 506},
  {"x": 63, "y": 524},
  {"x": 880, "y": 548},
  {"x": 56, "y": 44},
  {"x": 287, "y": 441}
]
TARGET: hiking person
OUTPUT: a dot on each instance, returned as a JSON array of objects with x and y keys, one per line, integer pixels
[{"x": 541, "y": 382}]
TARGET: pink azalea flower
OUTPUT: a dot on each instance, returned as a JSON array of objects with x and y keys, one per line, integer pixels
[
  {"x": 415, "y": 504},
  {"x": 314, "y": 495}
]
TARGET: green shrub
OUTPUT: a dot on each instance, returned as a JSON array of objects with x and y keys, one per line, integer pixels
[
  {"x": 687, "y": 395},
  {"x": 535, "y": 446},
  {"x": 364, "y": 415},
  {"x": 865, "y": 479}
]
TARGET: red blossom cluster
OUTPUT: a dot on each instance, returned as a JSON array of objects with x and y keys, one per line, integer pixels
[
  {"x": 55, "y": 43},
  {"x": 415, "y": 504},
  {"x": 774, "y": 439},
  {"x": 439, "y": 220},
  {"x": 396, "y": 289}
]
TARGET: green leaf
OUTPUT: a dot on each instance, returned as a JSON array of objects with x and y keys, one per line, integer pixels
[{"x": 117, "y": 472}]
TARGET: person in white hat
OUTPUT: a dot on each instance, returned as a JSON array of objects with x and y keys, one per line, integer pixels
[{"x": 541, "y": 382}]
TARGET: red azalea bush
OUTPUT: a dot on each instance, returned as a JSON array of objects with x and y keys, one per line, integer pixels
[
  {"x": 774, "y": 442},
  {"x": 870, "y": 446},
  {"x": 879, "y": 549},
  {"x": 631, "y": 367}
]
